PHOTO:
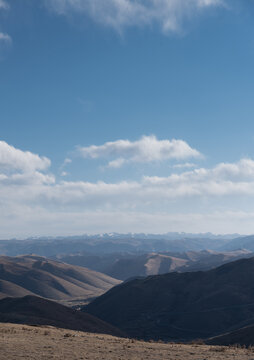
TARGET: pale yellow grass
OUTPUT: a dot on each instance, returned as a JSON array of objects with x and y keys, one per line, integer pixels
[{"x": 28, "y": 342}]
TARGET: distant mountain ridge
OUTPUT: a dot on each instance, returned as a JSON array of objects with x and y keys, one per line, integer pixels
[
  {"x": 111, "y": 243},
  {"x": 246, "y": 242},
  {"x": 167, "y": 236}
]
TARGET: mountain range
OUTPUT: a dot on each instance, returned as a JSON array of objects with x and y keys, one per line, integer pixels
[{"x": 112, "y": 243}]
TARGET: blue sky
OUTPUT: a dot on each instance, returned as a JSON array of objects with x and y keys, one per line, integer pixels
[{"x": 172, "y": 79}]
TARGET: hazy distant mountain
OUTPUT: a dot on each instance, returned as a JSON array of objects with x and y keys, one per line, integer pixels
[
  {"x": 95, "y": 262},
  {"x": 124, "y": 266},
  {"x": 33, "y": 275},
  {"x": 112, "y": 243},
  {"x": 32, "y": 310},
  {"x": 246, "y": 242},
  {"x": 182, "y": 305},
  {"x": 143, "y": 236}
]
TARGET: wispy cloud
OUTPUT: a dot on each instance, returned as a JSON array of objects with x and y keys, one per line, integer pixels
[
  {"x": 4, "y": 5},
  {"x": 5, "y": 37},
  {"x": 118, "y": 14},
  {"x": 184, "y": 165},
  {"x": 146, "y": 149}
]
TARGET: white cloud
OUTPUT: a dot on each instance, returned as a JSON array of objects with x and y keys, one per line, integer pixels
[
  {"x": 168, "y": 14},
  {"x": 12, "y": 158},
  {"x": 4, "y": 5},
  {"x": 5, "y": 37},
  {"x": 184, "y": 166},
  {"x": 67, "y": 161},
  {"x": 116, "y": 163},
  {"x": 145, "y": 150}
]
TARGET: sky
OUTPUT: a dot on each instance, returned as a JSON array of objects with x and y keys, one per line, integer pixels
[{"x": 126, "y": 116}]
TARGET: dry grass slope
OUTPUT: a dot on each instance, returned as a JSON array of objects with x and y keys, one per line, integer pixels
[
  {"x": 34, "y": 275},
  {"x": 43, "y": 343}
]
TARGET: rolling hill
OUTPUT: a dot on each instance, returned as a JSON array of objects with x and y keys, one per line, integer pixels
[
  {"x": 34, "y": 275},
  {"x": 182, "y": 306}
]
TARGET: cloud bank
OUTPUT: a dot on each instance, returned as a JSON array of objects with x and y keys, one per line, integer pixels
[
  {"x": 34, "y": 199},
  {"x": 118, "y": 14},
  {"x": 39, "y": 186},
  {"x": 145, "y": 150}
]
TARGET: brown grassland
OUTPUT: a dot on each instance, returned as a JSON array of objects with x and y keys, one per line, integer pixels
[{"x": 33, "y": 342}]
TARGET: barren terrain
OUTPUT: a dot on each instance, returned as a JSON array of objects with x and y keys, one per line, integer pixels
[
  {"x": 29, "y": 342},
  {"x": 39, "y": 276}
]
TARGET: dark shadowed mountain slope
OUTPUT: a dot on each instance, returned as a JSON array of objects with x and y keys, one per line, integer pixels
[
  {"x": 182, "y": 305},
  {"x": 33, "y": 275},
  {"x": 32, "y": 310}
]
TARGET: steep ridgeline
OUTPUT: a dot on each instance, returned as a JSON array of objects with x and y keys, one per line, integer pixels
[
  {"x": 32, "y": 310},
  {"x": 182, "y": 306},
  {"x": 33, "y": 275}
]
